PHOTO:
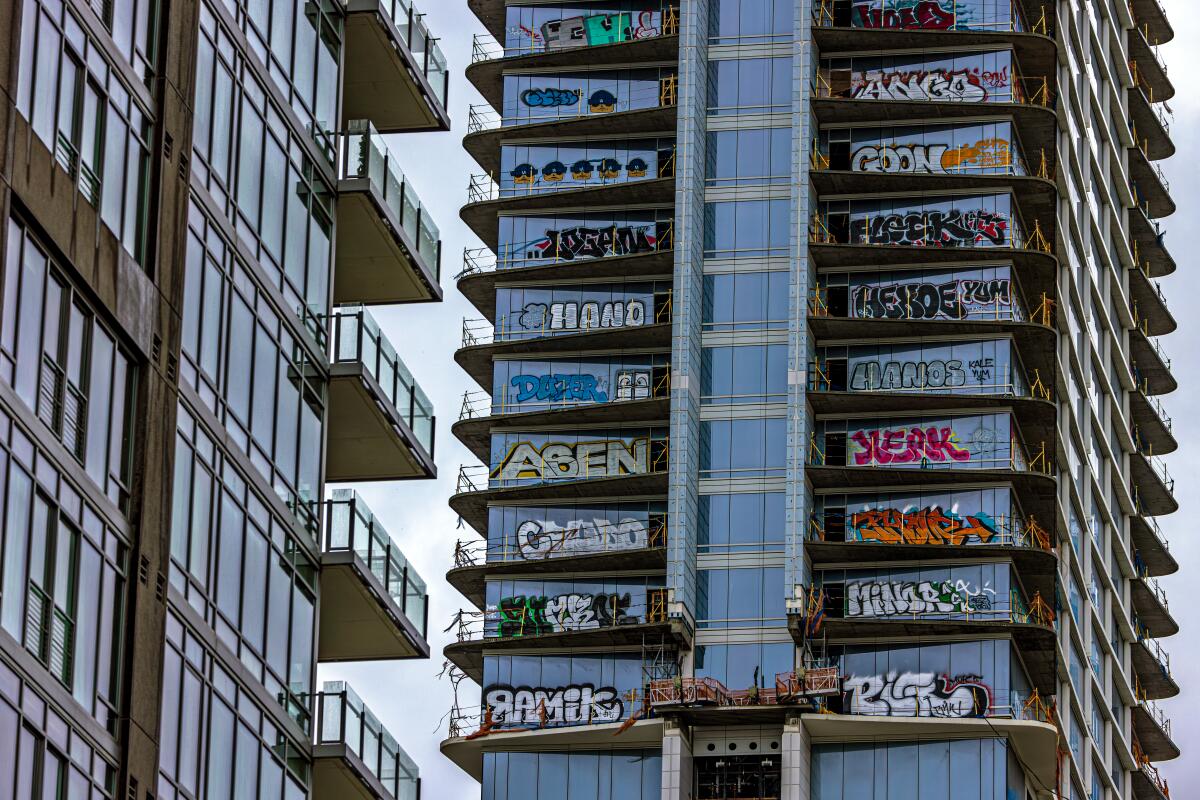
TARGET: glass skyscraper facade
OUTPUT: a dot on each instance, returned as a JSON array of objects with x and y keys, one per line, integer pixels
[
  {"x": 200, "y": 210},
  {"x": 818, "y": 401}
]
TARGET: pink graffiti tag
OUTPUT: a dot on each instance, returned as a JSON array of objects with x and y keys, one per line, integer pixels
[
  {"x": 926, "y": 14},
  {"x": 907, "y": 445}
]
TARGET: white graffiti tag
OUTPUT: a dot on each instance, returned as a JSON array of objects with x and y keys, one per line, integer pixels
[
  {"x": 896, "y": 598},
  {"x": 569, "y": 705},
  {"x": 541, "y": 539},
  {"x": 917, "y": 694},
  {"x": 899, "y": 158},
  {"x": 937, "y": 84}
]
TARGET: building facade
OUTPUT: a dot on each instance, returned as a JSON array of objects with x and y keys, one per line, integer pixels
[
  {"x": 818, "y": 401},
  {"x": 199, "y": 209}
]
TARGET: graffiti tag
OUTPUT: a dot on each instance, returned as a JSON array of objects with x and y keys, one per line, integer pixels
[
  {"x": 909, "y": 598},
  {"x": 550, "y": 97},
  {"x": 633, "y": 384},
  {"x": 582, "y": 242},
  {"x": 924, "y": 14},
  {"x": 953, "y": 228},
  {"x": 541, "y": 539},
  {"x": 927, "y": 526},
  {"x": 918, "y": 694},
  {"x": 906, "y": 445},
  {"x": 982, "y": 368},
  {"x": 555, "y": 388},
  {"x": 871, "y": 376},
  {"x": 569, "y": 705},
  {"x": 606, "y": 458},
  {"x": 574, "y": 316},
  {"x": 930, "y": 158},
  {"x": 600, "y": 29},
  {"x": 959, "y": 86},
  {"x": 950, "y": 300},
  {"x": 536, "y": 615}
]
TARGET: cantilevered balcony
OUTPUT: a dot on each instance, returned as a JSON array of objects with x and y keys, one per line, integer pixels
[
  {"x": 817, "y": 612},
  {"x": 394, "y": 72},
  {"x": 483, "y": 343},
  {"x": 1151, "y": 189},
  {"x": 1152, "y": 553},
  {"x": 935, "y": 534},
  {"x": 1151, "y": 667},
  {"x": 595, "y": 551},
  {"x": 354, "y": 756},
  {"x": 854, "y": 25},
  {"x": 388, "y": 248},
  {"x": 1151, "y": 608},
  {"x": 1148, "y": 305},
  {"x": 1149, "y": 246},
  {"x": 374, "y": 605},
  {"x": 380, "y": 423},
  {"x": 1151, "y": 486},
  {"x": 493, "y": 632},
  {"x": 475, "y": 492},
  {"x": 1151, "y": 17},
  {"x": 1150, "y": 125},
  {"x": 1153, "y": 425},
  {"x": 647, "y": 37},
  {"x": 483, "y": 269},
  {"x": 1152, "y": 728}
]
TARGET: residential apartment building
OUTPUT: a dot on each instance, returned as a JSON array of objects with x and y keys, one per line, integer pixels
[
  {"x": 818, "y": 401},
  {"x": 199, "y": 210}
]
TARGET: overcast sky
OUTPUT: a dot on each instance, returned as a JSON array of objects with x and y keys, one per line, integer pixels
[{"x": 406, "y": 695}]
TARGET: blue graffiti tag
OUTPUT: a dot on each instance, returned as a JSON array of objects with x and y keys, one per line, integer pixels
[
  {"x": 582, "y": 388},
  {"x": 549, "y": 97}
]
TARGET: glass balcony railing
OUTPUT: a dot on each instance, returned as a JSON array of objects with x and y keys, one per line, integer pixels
[
  {"x": 343, "y": 719},
  {"x": 351, "y": 527},
  {"x": 366, "y": 155},
  {"x": 421, "y": 43},
  {"x": 358, "y": 339}
]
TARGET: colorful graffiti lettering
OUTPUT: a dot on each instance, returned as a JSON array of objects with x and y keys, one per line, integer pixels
[
  {"x": 600, "y": 29},
  {"x": 908, "y": 598},
  {"x": 905, "y": 445},
  {"x": 923, "y": 14},
  {"x": 605, "y": 458},
  {"x": 959, "y": 86},
  {"x": 538, "y": 540},
  {"x": 953, "y": 228},
  {"x": 569, "y": 705},
  {"x": 918, "y": 694},
  {"x": 869, "y": 376},
  {"x": 536, "y": 615},
  {"x": 572, "y": 316},
  {"x": 930, "y": 158},
  {"x": 550, "y": 97},
  {"x": 991, "y": 153},
  {"x": 927, "y": 526},
  {"x": 572, "y": 243},
  {"x": 556, "y": 387},
  {"x": 948, "y": 300}
]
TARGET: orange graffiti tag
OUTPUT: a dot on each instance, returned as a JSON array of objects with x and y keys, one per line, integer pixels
[
  {"x": 927, "y": 526},
  {"x": 984, "y": 153}
]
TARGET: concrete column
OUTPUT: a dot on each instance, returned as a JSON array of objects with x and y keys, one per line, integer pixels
[
  {"x": 676, "y": 764},
  {"x": 797, "y": 761}
]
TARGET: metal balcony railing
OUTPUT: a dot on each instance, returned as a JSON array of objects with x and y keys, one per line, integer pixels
[
  {"x": 476, "y": 404},
  {"x": 819, "y": 233},
  {"x": 366, "y": 155},
  {"x": 1009, "y": 382},
  {"x": 1156, "y": 649},
  {"x": 509, "y": 327},
  {"x": 357, "y": 338},
  {"x": 1026, "y": 90},
  {"x": 1018, "y": 460},
  {"x": 421, "y": 43},
  {"x": 343, "y": 719},
  {"x": 351, "y": 527}
]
